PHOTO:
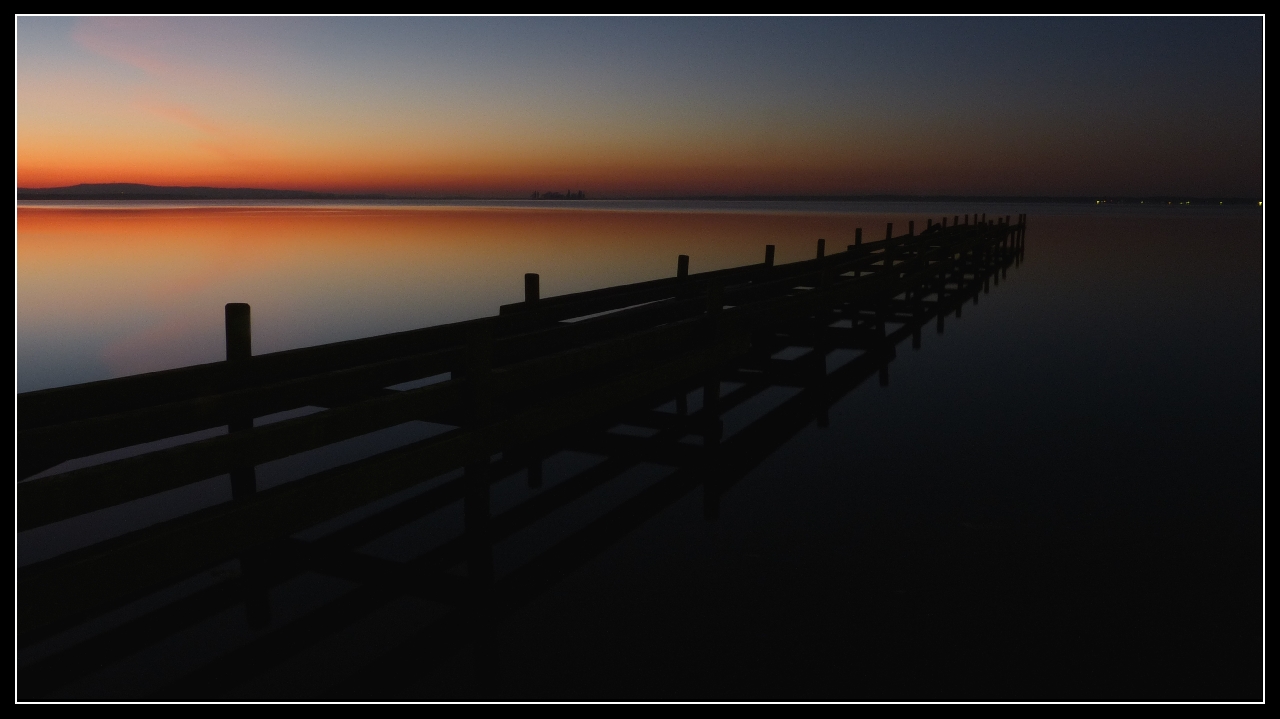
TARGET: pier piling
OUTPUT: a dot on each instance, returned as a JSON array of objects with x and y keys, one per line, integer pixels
[
  {"x": 520, "y": 386},
  {"x": 530, "y": 287}
]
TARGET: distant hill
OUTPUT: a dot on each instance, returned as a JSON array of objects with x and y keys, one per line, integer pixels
[{"x": 132, "y": 191}]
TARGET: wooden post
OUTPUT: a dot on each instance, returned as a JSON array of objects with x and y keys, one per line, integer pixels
[
  {"x": 712, "y": 426},
  {"x": 713, "y": 432},
  {"x": 966, "y": 220},
  {"x": 682, "y": 267},
  {"x": 818, "y": 359},
  {"x": 711, "y": 387},
  {"x": 857, "y": 236},
  {"x": 911, "y": 228},
  {"x": 239, "y": 335},
  {"x": 882, "y": 334},
  {"x": 955, "y": 220},
  {"x": 479, "y": 361},
  {"x": 944, "y": 223},
  {"x": 891, "y": 248},
  {"x": 997, "y": 259},
  {"x": 944, "y": 267},
  {"x": 531, "y": 293},
  {"x": 822, "y": 346},
  {"x": 244, "y": 480},
  {"x": 479, "y": 358},
  {"x": 888, "y": 231},
  {"x": 768, "y": 255},
  {"x": 822, "y": 247}
]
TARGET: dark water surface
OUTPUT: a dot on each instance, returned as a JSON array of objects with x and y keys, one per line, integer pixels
[{"x": 1058, "y": 498}]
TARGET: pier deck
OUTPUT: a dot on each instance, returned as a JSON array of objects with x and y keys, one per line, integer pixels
[{"x": 650, "y": 373}]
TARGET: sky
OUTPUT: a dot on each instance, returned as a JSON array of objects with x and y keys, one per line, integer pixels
[{"x": 636, "y": 107}]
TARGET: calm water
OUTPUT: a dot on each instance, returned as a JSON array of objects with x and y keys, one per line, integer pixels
[
  {"x": 105, "y": 292},
  {"x": 1059, "y": 498}
]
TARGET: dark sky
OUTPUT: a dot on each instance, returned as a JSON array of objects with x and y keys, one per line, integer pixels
[{"x": 1078, "y": 106}]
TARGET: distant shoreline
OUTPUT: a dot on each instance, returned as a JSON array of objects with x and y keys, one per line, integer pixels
[
  {"x": 152, "y": 193},
  {"x": 1233, "y": 201}
]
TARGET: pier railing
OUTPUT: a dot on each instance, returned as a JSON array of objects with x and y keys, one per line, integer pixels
[{"x": 539, "y": 369}]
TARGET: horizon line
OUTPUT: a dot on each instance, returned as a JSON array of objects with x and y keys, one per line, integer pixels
[{"x": 139, "y": 191}]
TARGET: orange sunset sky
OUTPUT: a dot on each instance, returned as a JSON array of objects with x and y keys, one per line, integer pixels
[{"x": 645, "y": 106}]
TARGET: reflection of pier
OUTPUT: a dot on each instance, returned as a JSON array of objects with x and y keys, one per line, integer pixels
[{"x": 647, "y": 374}]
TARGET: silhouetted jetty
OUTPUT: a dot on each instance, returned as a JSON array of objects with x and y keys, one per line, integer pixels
[
  {"x": 543, "y": 375},
  {"x": 566, "y": 195}
]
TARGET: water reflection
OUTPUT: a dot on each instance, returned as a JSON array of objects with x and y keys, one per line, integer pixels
[
  {"x": 523, "y": 529},
  {"x": 104, "y": 293},
  {"x": 1059, "y": 498}
]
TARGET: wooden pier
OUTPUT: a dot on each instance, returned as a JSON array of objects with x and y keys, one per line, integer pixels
[{"x": 544, "y": 375}]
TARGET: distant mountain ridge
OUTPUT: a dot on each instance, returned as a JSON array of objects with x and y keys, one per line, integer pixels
[{"x": 134, "y": 191}]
